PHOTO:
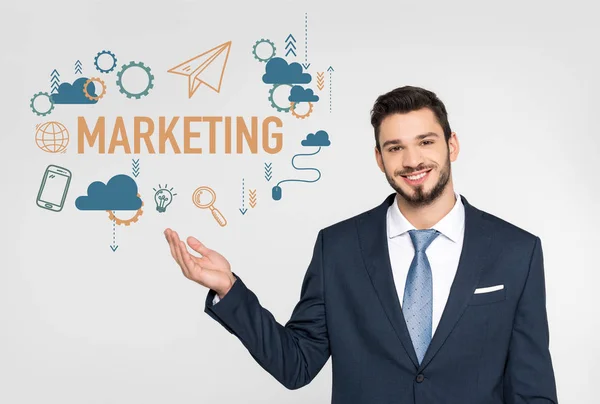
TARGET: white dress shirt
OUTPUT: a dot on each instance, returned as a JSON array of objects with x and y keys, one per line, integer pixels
[{"x": 443, "y": 253}]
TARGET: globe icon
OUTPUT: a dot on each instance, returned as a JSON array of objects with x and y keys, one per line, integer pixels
[{"x": 52, "y": 137}]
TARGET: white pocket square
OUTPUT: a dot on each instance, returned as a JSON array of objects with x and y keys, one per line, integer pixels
[{"x": 489, "y": 289}]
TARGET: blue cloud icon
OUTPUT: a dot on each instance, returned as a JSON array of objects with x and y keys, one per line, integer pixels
[
  {"x": 119, "y": 193},
  {"x": 73, "y": 93},
  {"x": 277, "y": 71},
  {"x": 301, "y": 94},
  {"x": 321, "y": 138}
]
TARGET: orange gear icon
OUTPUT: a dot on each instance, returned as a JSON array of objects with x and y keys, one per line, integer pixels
[
  {"x": 293, "y": 110},
  {"x": 97, "y": 80},
  {"x": 126, "y": 222}
]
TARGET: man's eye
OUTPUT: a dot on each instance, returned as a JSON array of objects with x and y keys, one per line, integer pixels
[
  {"x": 428, "y": 141},
  {"x": 394, "y": 148}
]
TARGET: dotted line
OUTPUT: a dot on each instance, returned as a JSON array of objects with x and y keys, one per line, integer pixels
[
  {"x": 330, "y": 92},
  {"x": 242, "y": 193},
  {"x": 305, "y": 37}
]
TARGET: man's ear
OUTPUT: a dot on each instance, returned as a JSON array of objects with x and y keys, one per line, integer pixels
[
  {"x": 379, "y": 159},
  {"x": 453, "y": 147}
]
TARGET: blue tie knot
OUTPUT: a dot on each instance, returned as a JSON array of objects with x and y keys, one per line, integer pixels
[{"x": 422, "y": 238}]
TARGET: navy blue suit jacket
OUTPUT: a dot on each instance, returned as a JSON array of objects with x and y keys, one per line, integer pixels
[{"x": 488, "y": 348}]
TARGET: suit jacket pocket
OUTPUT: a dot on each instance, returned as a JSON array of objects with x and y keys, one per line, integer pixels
[{"x": 489, "y": 297}]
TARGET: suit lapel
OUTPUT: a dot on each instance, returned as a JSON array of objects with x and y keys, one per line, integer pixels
[
  {"x": 474, "y": 255},
  {"x": 373, "y": 240}
]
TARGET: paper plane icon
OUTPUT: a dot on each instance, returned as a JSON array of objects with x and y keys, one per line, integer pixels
[{"x": 207, "y": 68}]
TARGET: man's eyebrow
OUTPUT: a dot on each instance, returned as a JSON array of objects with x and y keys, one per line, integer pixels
[{"x": 418, "y": 137}]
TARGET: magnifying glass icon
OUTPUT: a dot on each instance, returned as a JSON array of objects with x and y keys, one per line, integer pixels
[{"x": 205, "y": 197}]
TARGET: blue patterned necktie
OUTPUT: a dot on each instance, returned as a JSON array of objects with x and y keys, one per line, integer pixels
[{"x": 417, "y": 304}]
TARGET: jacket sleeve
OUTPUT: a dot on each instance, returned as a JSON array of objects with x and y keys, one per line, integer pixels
[
  {"x": 528, "y": 376},
  {"x": 293, "y": 354}
]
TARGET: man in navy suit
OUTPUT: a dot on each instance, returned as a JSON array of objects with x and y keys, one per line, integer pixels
[{"x": 423, "y": 299}]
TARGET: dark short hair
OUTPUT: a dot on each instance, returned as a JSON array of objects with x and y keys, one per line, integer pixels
[{"x": 406, "y": 99}]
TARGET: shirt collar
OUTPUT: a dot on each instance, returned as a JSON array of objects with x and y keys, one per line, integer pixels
[{"x": 450, "y": 225}]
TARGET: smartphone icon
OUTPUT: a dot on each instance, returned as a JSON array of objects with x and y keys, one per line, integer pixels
[{"x": 54, "y": 187}]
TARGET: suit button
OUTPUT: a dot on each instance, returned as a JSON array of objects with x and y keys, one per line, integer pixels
[{"x": 420, "y": 378}]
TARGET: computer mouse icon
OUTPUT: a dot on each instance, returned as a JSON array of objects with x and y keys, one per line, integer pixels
[{"x": 276, "y": 192}]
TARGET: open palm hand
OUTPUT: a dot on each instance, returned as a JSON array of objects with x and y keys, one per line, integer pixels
[{"x": 211, "y": 270}]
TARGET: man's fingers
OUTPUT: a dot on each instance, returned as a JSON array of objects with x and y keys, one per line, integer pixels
[
  {"x": 179, "y": 258},
  {"x": 197, "y": 246},
  {"x": 182, "y": 256},
  {"x": 187, "y": 257},
  {"x": 174, "y": 245},
  {"x": 176, "y": 242},
  {"x": 170, "y": 242}
]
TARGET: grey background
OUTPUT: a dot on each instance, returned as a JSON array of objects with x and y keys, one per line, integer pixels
[{"x": 81, "y": 324}]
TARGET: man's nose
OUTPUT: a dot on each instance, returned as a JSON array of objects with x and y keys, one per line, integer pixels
[{"x": 411, "y": 157}]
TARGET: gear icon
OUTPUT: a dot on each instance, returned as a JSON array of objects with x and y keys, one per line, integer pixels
[
  {"x": 87, "y": 94},
  {"x": 306, "y": 115},
  {"x": 32, "y": 102},
  {"x": 271, "y": 98},
  {"x": 144, "y": 68},
  {"x": 114, "y": 64},
  {"x": 256, "y": 46},
  {"x": 126, "y": 222}
]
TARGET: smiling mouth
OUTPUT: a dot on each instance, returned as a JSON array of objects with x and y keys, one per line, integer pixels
[{"x": 415, "y": 179}]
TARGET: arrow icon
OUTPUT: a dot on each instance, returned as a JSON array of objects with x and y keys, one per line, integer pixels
[
  {"x": 135, "y": 167},
  {"x": 290, "y": 40},
  {"x": 205, "y": 68},
  {"x": 330, "y": 70},
  {"x": 306, "y": 64},
  {"x": 320, "y": 80},
  {"x": 243, "y": 209},
  {"x": 114, "y": 244},
  {"x": 78, "y": 67},
  {"x": 268, "y": 171},
  {"x": 54, "y": 80}
]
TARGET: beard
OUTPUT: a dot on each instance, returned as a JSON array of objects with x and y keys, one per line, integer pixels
[{"x": 419, "y": 197}]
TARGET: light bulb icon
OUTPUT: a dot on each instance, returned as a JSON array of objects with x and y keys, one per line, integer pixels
[{"x": 163, "y": 197}]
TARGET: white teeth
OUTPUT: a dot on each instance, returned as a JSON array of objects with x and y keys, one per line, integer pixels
[{"x": 416, "y": 177}]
